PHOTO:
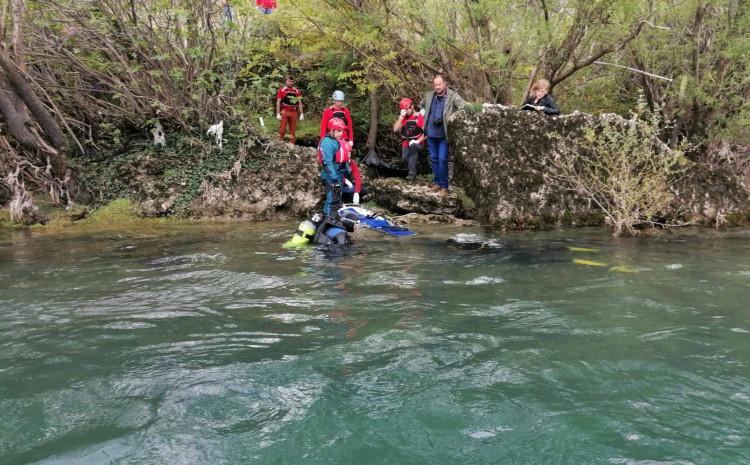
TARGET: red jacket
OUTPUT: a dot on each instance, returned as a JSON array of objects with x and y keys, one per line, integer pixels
[
  {"x": 333, "y": 112},
  {"x": 290, "y": 97},
  {"x": 412, "y": 128},
  {"x": 355, "y": 174},
  {"x": 266, "y": 3}
]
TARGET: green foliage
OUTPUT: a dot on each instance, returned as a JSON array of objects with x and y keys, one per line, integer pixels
[
  {"x": 190, "y": 177},
  {"x": 625, "y": 170},
  {"x": 182, "y": 64},
  {"x": 189, "y": 67}
]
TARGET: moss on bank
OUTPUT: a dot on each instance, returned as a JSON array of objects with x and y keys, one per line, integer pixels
[
  {"x": 5, "y": 220},
  {"x": 137, "y": 170},
  {"x": 117, "y": 214}
]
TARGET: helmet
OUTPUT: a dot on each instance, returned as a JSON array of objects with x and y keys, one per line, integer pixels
[
  {"x": 349, "y": 219},
  {"x": 404, "y": 103},
  {"x": 338, "y": 95},
  {"x": 336, "y": 123}
]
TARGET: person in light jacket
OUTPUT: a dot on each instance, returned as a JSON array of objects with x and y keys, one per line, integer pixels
[{"x": 439, "y": 104}]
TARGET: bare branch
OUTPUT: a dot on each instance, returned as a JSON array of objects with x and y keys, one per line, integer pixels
[{"x": 635, "y": 70}]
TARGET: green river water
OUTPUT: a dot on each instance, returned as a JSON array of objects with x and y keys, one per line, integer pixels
[{"x": 213, "y": 345}]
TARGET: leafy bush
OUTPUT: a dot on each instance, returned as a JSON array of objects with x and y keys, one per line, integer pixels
[{"x": 625, "y": 169}]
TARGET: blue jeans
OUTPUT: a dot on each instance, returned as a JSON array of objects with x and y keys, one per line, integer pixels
[
  {"x": 439, "y": 158},
  {"x": 265, "y": 11}
]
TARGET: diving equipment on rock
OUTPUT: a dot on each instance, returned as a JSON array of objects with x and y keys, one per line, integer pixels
[{"x": 372, "y": 220}]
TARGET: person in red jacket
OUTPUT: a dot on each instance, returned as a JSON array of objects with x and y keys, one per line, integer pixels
[
  {"x": 288, "y": 106},
  {"x": 266, "y": 6},
  {"x": 338, "y": 110},
  {"x": 410, "y": 124}
]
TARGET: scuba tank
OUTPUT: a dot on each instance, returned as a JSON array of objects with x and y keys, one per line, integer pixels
[{"x": 303, "y": 236}]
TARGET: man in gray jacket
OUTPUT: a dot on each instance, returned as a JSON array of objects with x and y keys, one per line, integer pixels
[{"x": 439, "y": 104}]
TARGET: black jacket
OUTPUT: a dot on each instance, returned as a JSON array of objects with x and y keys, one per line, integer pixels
[{"x": 550, "y": 107}]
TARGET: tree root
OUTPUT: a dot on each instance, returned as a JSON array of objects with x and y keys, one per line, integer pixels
[{"x": 19, "y": 177}]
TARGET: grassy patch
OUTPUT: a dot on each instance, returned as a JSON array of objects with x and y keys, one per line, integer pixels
[
  {"x": 5, "y": 219},
  {"x": 120, "y": 211},
  {"x": 307, "y": 130}
]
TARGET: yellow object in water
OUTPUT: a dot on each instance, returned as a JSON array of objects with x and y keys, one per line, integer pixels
[
  {"x": 303, "y": 236},
  {"x": 622, "y": 269},
  {"x": 296, "y": 241},
  {"x": 578, "y": 261},
  {"x": 582, "y": 249}
]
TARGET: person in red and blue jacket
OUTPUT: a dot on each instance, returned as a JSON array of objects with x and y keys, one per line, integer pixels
[
  {"x": 334, "y": 156},
  {"x": 411, "y": 126},
  {"x": 338, "y": 110}
]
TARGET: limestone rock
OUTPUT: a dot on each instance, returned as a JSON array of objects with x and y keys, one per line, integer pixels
[
  {"x": 716, "y": 190},
  {"x": 504, "y": 161},
  {"x": 434, "y": 218},
  {"x": 399, "y": 196},
  {"x": 286, "y": 187}
]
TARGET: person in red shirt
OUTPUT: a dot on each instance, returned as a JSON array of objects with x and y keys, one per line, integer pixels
[
  {"x": 266, "y": 6},
  {"x": 288, "y": 105},
  {"x": 338, "y": 110},
  {"x": 410, "y": 124}
]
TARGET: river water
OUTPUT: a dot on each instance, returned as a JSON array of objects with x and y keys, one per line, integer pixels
[{"x": 213, "y": 345}]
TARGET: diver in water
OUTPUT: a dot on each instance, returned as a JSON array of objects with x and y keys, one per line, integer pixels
[{"x": 323, "y": 230}]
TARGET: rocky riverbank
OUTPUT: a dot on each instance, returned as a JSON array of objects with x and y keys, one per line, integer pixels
[
  {"x": 504, "y": 161},
  {"x": 502, "y": 175}
]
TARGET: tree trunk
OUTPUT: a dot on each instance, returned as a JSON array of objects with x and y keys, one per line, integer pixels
[
  {"x": 372, "y": 133},
  {"x": 15, "y": 120},
  {"x": 38, "y": 110},
  {"x": 17, "y": 9}
]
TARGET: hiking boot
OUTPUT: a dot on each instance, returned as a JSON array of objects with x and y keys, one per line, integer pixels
[
  {"x": 434, "y": 188},
  {"x": 443, "y": 193},
  {"x": 411, "y": 177}
]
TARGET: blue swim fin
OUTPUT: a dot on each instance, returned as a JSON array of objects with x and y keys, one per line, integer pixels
[{"x": 369, "y": 220}]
